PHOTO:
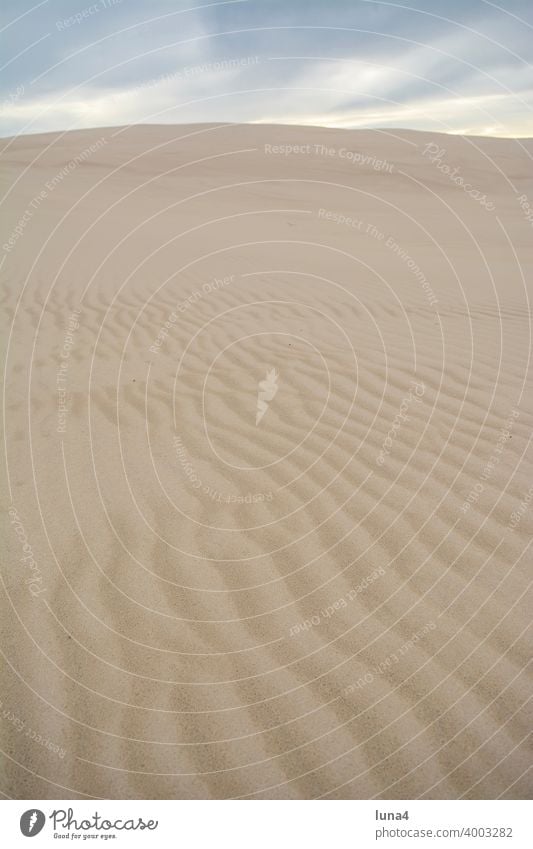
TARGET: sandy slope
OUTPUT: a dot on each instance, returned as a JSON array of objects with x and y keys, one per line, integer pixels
[{"x": 331, "y": 602}]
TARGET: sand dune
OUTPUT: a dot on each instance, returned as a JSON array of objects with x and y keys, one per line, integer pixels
[{"x": 329, "y": 599}]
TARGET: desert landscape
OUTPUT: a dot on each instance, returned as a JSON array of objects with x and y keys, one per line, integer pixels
[{"x": 267, "y": 446}]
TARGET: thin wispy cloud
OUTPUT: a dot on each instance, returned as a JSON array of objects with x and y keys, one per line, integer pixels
[{"x": 437, "y": 65}]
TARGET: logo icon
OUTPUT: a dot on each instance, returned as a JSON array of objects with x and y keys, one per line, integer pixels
[
  {"x": 32, "y": 822},
  {"x": 266, "y": 392}
]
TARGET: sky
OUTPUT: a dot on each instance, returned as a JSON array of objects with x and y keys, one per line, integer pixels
[{"x": 460, "y": 66}]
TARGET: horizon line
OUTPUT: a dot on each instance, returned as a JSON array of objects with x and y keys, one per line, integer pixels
[{"x": 260, "y": 123}]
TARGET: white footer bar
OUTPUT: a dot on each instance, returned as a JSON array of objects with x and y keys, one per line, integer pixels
[{"x": 268, "y": 824}]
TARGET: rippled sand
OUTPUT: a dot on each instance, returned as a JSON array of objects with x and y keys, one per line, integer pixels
[{"x": 331, "y": 602}]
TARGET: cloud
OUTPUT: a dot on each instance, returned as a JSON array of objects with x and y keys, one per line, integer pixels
[{"x": 426, "y": 64}]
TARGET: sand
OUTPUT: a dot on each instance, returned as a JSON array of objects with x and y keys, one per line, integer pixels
[{"x": 267, "y": 429}]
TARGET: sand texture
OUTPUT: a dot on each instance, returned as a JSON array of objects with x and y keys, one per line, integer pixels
[{"x": 269, "y": 498}]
